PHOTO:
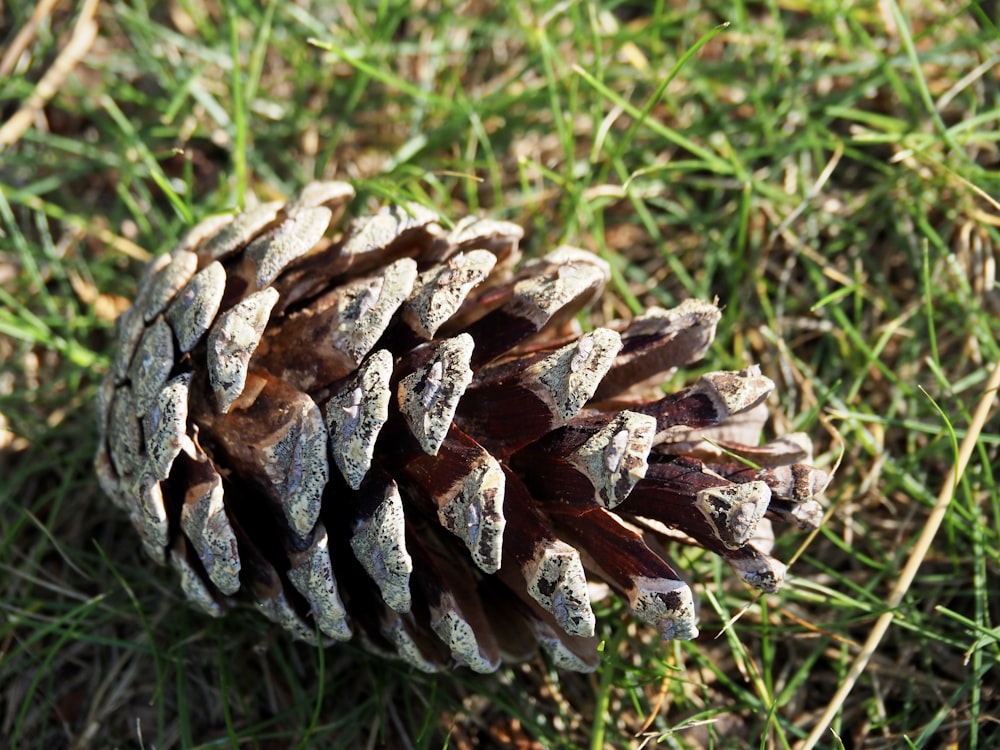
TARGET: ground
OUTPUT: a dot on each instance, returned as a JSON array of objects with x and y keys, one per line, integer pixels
[{"x": 826, "y": 169}]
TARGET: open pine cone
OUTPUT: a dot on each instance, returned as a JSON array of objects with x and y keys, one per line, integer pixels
[{"x": 398, "y": 432}]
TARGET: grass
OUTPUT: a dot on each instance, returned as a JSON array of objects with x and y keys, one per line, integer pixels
[{"x": 827, "y": 169}]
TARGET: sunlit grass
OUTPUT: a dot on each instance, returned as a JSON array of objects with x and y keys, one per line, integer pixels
[{"x": 826, "y": 169}]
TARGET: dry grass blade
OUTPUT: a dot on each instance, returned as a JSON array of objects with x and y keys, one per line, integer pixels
[
  {"x": 916, "y": 557},
  {"x": 83, "y": 36}
]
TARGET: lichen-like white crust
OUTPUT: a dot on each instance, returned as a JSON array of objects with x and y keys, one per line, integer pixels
[
  {"x": 297, "y": 466},
  {"x": 429, "y": 396},
  {"x": 196, "y": 305},
  {"x": 571, "y": 374},
  {"x": 206, "y": 525},
  {"x": 474, "y": 512},
  {"x": 441, "y": 290},
  {"x": 233, "y": 340},
  {"x": 124, "y": 433},
  {"x": 557, "y": 581},
  {"x": 165, "y": 425},
  {"x": 168, "y": 281},
  {"x": 666, "y": 605},
  {"x": 615, "y": 458},
  {"x": 293, "y": 238},
  {"x": 379, "y": 544},
  {"x": 207, "y": 227},
  {"x": 538, "y": 298},
  {"x": 758, "y": 570},
  {"x": 151, "y": 366},
  {"x": 484, "y": 232},
  {"x": 735, "y": 510},
  {"x": 235, "y": 234},
  {"x": 191, "y": 584},
  {"x": 397, "y": 633},
  {"x": 278, "y": 610},
  {"x": 320, "y": 193},
  {"x": 365, "y": 307},
  {"x": 735, "y": 392},
  {"x": 457, "y": 633},
  {"x": 128, "y": 330},
  {"x": 151, "y": 517},
  {"x": 562, "y": 655},
  {"x": 313, "y": 577},
  {"x": 355, "y": 416},
  {"x": 385, "y": 226}
]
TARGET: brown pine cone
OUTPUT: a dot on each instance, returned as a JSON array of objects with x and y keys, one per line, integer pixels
[{"x": 397, "y": 432}]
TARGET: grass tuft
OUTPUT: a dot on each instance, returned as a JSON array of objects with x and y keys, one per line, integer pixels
[{"x": 827, "y": 169}]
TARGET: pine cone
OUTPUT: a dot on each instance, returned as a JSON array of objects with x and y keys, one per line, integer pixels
[{"x": 399, "y": 433}]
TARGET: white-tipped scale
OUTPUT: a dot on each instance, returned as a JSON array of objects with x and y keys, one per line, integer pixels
[
  {"x": 206, "y": 525},
  {"x": 291, "y": 239},
  {"x": 165, "y": 425},
  {"x": 196, "y": 305},
  {"x": 151, "y": 365},
  {"x": 232, "y": 340},
  {"x": 312, "y": 575},
  {"x": 379, "y": 544},
  {"x": 429, "y": 396},
  {"x": 356, "y": 414}
]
